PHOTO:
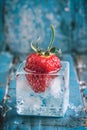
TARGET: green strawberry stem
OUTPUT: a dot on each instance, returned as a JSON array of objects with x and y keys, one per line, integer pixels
[
  {"x": 50, "y": 49},
  {"x": 52, "y": 38},
  {"x": 32, "y": 46}
]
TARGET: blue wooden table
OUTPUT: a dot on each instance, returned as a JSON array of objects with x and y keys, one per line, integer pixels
[{"x": 73, "y": 119}]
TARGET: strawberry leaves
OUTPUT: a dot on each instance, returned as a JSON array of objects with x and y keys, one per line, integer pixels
[
  {"x": 50, "y": 49},
  {"x": 36, "y": 48}
]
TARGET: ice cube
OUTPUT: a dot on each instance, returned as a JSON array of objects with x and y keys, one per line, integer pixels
[{"x": 52, "y": 102}]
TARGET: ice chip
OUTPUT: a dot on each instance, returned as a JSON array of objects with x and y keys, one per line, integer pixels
[{"x": 55, "y": 88}]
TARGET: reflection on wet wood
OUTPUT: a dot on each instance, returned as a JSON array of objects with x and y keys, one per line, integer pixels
[{"x": 81, "y": 67}]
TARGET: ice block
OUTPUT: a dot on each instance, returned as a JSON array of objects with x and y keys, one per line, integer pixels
[{"x": 53, "y": 101}]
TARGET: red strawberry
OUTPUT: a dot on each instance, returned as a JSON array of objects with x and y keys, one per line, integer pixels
[
  {"x": 39, "y": 82},
  {"x": 41, "y": 65}
]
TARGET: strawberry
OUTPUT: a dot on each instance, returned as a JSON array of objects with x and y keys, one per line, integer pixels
[
  {"x": 41, "y": 65},
  {"x": 39, "y": 82}
]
